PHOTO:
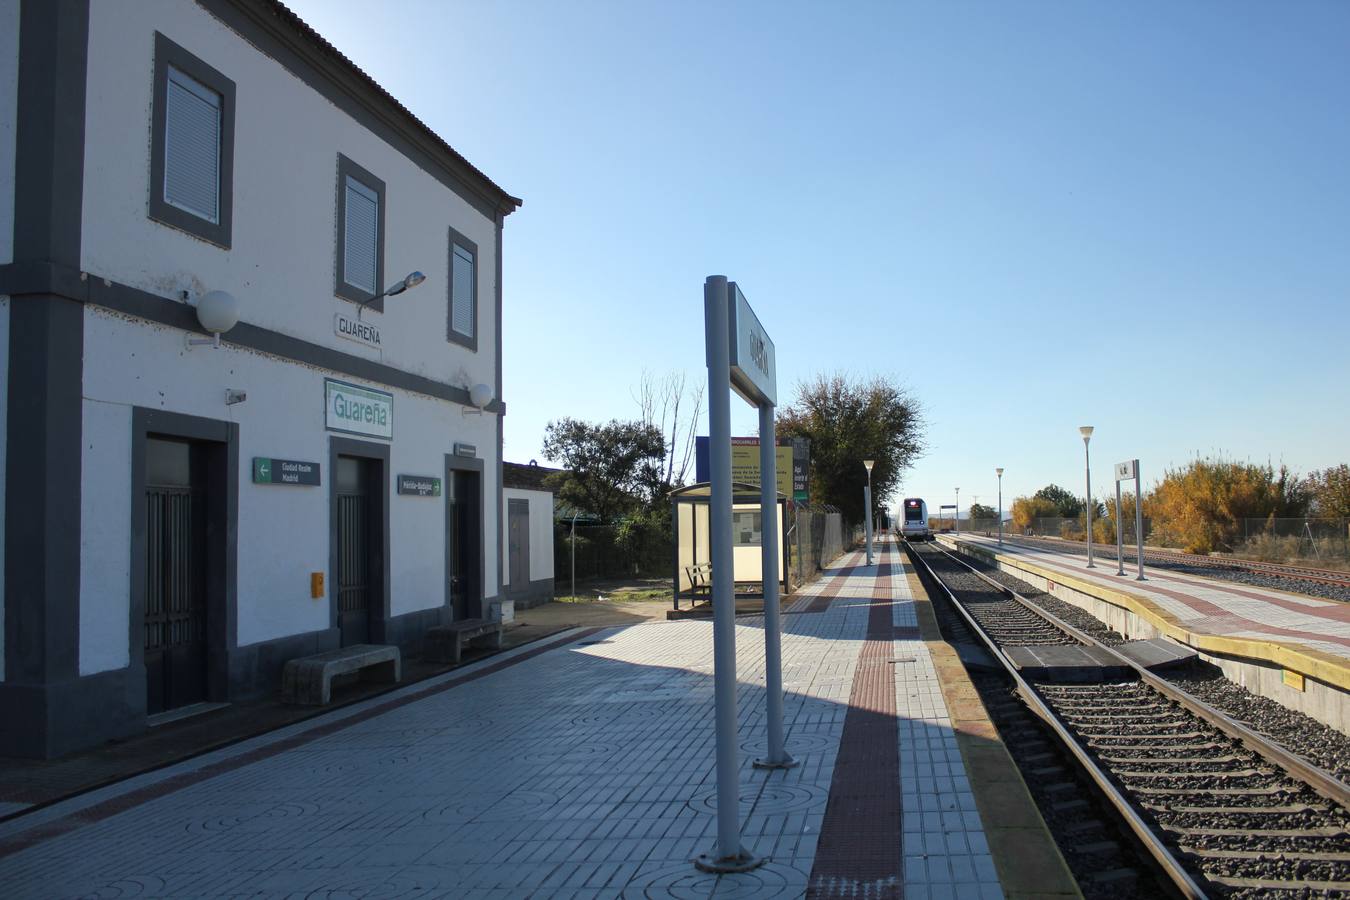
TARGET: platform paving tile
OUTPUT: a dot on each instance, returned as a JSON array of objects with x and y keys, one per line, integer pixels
[{"x": 582, "y": 772}]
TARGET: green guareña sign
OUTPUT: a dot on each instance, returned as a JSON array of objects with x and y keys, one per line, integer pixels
[{"x": 353, "y": 409}]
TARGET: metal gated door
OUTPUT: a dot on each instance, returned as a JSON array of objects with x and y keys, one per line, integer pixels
[
  {"x": 461, "y": 542},
  {"x": 354, "y": 570},
  {"x": 175, "y": 588},
  {"x": 518, "y": 544}
]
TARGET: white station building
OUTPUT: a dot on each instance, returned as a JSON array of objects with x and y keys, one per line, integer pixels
[{"x": 219, "y": 451}]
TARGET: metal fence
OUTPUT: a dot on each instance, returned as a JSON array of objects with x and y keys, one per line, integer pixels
[
  {"x": 818, "y": 536},
  {"x": 816, "y": 539},
  {"x": 1304, "y": 540},
  {"x": 599, "y": 553}
]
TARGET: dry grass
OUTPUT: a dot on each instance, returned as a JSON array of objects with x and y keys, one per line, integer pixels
[{"x": 1332, "y": 553}]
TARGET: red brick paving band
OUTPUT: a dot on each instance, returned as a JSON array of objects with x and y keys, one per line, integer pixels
[
  {"x": 859, "y": 853},
  {"x": 112, "y": 806}
]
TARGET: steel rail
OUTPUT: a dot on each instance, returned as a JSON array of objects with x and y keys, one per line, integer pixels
[
  {"x": 1175, "y": 871},
  {"x": 1298, "y": 768}
]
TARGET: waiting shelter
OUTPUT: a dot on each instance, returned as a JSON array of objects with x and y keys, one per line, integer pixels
[{"x": 691, "y": 527}]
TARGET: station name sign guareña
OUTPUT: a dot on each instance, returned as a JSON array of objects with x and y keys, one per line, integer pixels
[
  {"x": 353, "y": 409},
  {"x": 754, "y": 374},
  {"x": 358, "y": 330}
]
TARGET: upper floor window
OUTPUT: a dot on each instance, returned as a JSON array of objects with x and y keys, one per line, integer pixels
[
  {"x": 192, "y": 144},
  {"x": 463, "y": 290},
  {"x": 360, "y": 234}
]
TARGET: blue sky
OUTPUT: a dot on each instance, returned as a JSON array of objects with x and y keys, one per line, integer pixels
[{"x": 1033, "y": 215}]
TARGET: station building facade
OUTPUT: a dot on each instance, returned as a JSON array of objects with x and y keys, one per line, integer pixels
[{"x": 181, "y": 518}]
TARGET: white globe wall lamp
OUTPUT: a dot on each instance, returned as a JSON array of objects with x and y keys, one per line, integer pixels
[
  {"x": 218, "y": 312},
  {"x": 480, "y": 395}
]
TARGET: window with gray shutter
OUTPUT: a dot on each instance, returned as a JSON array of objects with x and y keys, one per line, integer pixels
[
  {"x": 461, "y": 325},
  {"x": 361, "y": 240},
  {"x": 192, "y": 146},
  {"x": 461, "y": 287},
  {"x": 359, "y": 273}
]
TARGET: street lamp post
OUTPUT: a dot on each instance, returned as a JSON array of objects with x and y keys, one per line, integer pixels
[
  {"x": 867, "y": 506},
  {"x": 999, "y": 472},
  {"x": 1086, "y": 432},
  {"x": 958, "y": 510}
]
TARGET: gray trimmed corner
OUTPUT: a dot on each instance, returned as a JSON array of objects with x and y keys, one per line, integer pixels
[{"x": 536, "y": 593}]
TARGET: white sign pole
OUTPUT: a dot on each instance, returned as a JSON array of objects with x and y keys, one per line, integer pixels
[
  {"x": 1139, "y": 521},
  {"x": 777, "y": 757},
  {"x": 1124, "y": 472},
  {"x": 718, "y": 316},
  {"x": 1120, "y": 533},
  {"x": 716, "y": 324}
]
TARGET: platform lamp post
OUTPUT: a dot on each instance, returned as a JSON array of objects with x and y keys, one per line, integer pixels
[
  {"x": 958, "y": 511},
  {"x": 867, "y": 506},
  {"x": 1086, "y": 432},
  {"x": 999, "y": 473}
]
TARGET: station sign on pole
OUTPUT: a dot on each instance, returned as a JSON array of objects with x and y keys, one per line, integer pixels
[
  {"x": 1127, "y": 471},
  {"x": 740, "y": 358}
]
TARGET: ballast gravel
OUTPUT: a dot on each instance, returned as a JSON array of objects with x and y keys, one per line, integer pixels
[{"x": 1320, "y": 744}]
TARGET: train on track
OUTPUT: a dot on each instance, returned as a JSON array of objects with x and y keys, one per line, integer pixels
[{"x": 914, "y": 526}]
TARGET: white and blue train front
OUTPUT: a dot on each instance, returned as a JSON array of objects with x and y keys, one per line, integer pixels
[{"x": 915, "y": 524}]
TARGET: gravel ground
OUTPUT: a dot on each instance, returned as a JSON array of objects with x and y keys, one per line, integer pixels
[
  {"x": 1233, "y": 789},
  {"x": 1320, "y": 744},
  {"x": 1066, "y": 612},
  {"x": 1223, "y": 573}
]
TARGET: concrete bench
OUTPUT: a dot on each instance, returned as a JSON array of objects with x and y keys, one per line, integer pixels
[
  {"x": 308, "y": 681},
  {"x": 445, "y": 643}
]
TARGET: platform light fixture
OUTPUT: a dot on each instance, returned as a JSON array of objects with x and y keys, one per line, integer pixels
[
  {"x": 867, "y": 506},
  {"x": 412, "y": 280},
  {"x": 999, "y": 473},
  {"x": 957, "y": 524},
  {"x": 1086, "y": 432}
]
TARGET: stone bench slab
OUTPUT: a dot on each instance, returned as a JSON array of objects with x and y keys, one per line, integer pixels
[
  {"x": 445, "y": 643},
  {"x": 308, "y": 681}
]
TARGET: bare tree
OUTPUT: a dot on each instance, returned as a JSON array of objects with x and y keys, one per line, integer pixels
[{"x": 670, "y": 405}]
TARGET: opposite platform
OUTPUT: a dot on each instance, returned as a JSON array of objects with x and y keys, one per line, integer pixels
[{"x": 1290, "y": 647}]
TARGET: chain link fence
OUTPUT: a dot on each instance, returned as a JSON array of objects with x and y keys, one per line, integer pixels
[
  {"x": 1309, "y": 541},
  {"x": 817, "y": 538},
  {"x": 601, "y": 554}
]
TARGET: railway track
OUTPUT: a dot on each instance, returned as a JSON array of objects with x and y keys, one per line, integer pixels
[
  {"x": 1333, "y": 577},
  {"x": 1221, "y": 811}
]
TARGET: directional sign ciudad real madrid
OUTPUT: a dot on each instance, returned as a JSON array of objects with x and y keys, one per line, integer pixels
[{"x": 754, "y": 374}]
